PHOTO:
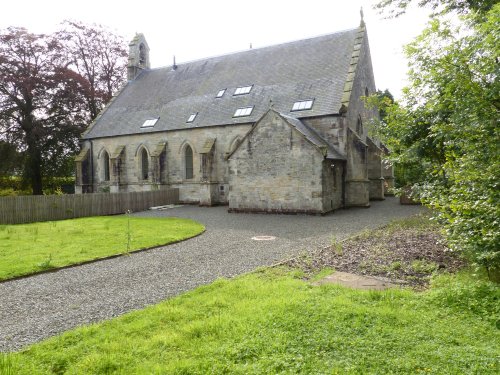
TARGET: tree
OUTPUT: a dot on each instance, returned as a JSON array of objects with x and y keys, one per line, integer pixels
[
  {"x": 385, "y": 99},
  {"x": 99, "y": 56},
  {"x": 11, "y": 159},
  {"x": 51, "y": 87},
  {"x": 448, "y": 122},
  {"x": 395, "y": 8},
  {"x": 40, "y": 109}
]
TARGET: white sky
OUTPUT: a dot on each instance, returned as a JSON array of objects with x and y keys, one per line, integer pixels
[{"x": 194, "y": 29}]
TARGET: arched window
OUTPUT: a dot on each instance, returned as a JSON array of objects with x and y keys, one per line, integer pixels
[
  {"x": 163, "y": 166},
  {"x": 359, "y": 126},
  {"x": 142, "y": 54},
  {"x": 188, "y": 159},
  {"x": 105, "y": 165},
  {"x": 144, "y": 164}
]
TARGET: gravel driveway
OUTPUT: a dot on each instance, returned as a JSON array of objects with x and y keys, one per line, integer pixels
[{"x": 41, "y": 306}]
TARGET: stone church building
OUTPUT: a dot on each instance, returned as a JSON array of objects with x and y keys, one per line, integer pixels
[{"x": 277, "y": 129}]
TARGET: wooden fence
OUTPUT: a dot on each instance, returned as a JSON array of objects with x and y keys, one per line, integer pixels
[{"x": 28, "y": 209}]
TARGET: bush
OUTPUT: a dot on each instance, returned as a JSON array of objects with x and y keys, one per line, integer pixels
[
  {"x": 445, "y": 133},
  {"x": 14, "y": 186}
]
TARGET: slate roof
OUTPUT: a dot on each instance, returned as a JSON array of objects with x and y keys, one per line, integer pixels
[{"x": 314, "y": 68}]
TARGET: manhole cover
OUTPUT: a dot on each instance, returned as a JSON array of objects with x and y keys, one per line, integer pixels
[{"x": 263, "y": 238}]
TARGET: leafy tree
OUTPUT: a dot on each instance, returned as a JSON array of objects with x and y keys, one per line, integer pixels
[
  {"x": 385, "y": 100},
  {"x": 40, "y": 106},
  {"x": 448, "y": 124},
  {"x": 99, "y": 56},
  {"x": 11, "y": 159},
  {"x": 51, "y": 87}
]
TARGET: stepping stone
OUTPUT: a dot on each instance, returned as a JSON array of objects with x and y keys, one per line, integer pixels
[{"x": 354, "y": 281}]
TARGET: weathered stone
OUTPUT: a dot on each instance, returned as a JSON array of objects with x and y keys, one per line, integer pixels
[{"x": 306, "y": 163}]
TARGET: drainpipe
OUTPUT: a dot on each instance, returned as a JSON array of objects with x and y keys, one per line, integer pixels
[
  {"x": 91, "y": 166},
  {"x": 344, "y": 167}
]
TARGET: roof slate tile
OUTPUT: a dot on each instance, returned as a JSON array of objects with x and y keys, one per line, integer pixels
[{"x": 285, "y": 73}]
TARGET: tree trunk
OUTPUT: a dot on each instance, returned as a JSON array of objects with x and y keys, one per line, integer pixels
[
  {"x": 34, "y": 165},
  {"x": 35, "y": 172}
]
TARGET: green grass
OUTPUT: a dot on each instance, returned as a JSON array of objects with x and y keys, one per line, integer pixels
[
  {"x": 270, "y": 322},
  {"x": 421, "y": 222},
  {"x": 31, "y": 248}
]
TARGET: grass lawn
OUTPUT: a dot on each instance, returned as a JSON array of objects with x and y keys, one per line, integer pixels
[
  {"x": 30, "y": 248},
  {"x": 272, "y": 321}
]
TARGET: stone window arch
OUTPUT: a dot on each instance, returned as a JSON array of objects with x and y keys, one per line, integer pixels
[
  {"x": 144, "y": 164},
  {"x": 105, "y": 161},
  {"x": 234, "y": 144},
  {"x": 188, "y": 162}
]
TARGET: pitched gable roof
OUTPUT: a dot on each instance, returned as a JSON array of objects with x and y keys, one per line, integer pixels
[
  {"x": 314, "y": 68},
  {"x": 306, "y": 131},
  {"x": 314, "y": 137}
]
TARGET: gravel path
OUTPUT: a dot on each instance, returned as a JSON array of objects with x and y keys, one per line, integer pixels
[{"x": 41, "y": 306}]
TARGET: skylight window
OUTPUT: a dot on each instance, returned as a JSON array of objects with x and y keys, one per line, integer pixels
[
  {"x": 220, "y": 94},
  {"x": 245, "y": 111},
  {"x": 149, "y": 123},
  {"x": 302, "y": 105},
  {"x": 242, "y": 90},
  {"x": 192, "y": 116}
]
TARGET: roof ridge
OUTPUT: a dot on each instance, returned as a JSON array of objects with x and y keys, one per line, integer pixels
[
  {"x": 254, "y": 49},
  {"x": 310, "y": 68}
]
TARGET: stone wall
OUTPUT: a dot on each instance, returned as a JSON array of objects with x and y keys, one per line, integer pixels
[
  {"x": 357, "y": 181},
  {"x": 331, "y": 128},
  {"x": 375, "y": 171},
  {"x": 364, "y": 82},
  {"x": 126, "y": 175},
  {"x": 332, "y": 184},
  {"x": 276, "y": 169}
]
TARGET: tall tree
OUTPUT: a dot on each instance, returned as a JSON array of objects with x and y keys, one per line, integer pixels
[
  {"x": 448, "y": 124},
  {"x": 40, "y": 105},
  {"x": 98, "y": 55},
  {"x": 51, "y": 87}
]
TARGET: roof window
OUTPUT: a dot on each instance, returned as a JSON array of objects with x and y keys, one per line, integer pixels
[
  {"x": 245, "y": 111},
  {"x": 242, "y": 90},
  {"x": 302, "y": 105},
  {"x": 220, "y": 94},
  {"x": 149, "y": 123},
  {"x": 192, "y": 116}
]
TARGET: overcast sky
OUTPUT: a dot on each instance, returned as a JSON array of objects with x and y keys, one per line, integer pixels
[{"x": 194, "y": 29}]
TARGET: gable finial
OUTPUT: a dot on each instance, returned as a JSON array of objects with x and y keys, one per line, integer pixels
[
  {"x": 271, "y": 104},
  {"x": 362, "y": 16},
  {"x": 174, "y": 66}
]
